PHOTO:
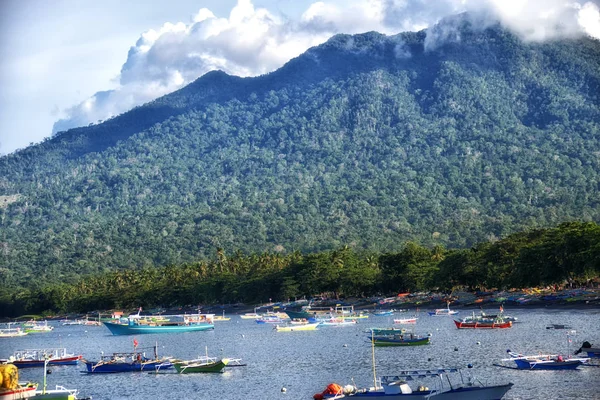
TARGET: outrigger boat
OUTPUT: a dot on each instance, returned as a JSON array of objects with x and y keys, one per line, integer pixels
[
  {"x": 37, "y": 327},
  {"x": 137, "y": 324},
  {"x": 12, "y": 332},
  {"x": 405, "y": 321},
  {"x": 545, "y": 361},
  {"x": 396, "y": 387},
  {"x": 469, "y": 323},
  {"x": 294, "y": 328},
  {"x": 202, "y": 364},
  {"x": 589, "y": 349},
  {"x": 400, "y": 340},
  {"x": 135, "y": 361},
  {"x": 38, "y": 357},
  {"x": 443, "y": 312}
]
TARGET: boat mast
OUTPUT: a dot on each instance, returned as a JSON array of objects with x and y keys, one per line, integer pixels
[{"x": 373, "y": 359}]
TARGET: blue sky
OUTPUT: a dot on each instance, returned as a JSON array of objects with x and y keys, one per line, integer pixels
[{"x": 66, "y": 63}]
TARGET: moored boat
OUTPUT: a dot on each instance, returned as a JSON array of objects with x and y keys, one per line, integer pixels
[
  {"x": 589, "y": 349},
  {"x": 545, "y": 361},
  {"x": 442, "y": 312},
  {"x": 126, "y": 362},
  {"x": 400, "y": 340},
  {"x": 10, "y": 389},
  {"x": 37, "y": 357},
  {"x": 201, "y": 365},
  {"x": 294, "y": 328},
  {"x": 58, "y": 393},
  {"x": 466, "y": 324},
  {"x": 12, "y": 332},
  {"x": 167, "y": 324},
  {"x": 405, "y": 321},
  {"x": 37, "y": 327},
  {"x": 397, "y": 387}
]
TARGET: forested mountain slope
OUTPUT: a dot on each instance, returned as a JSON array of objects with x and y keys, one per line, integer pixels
[{"x": 449, "y": 136}]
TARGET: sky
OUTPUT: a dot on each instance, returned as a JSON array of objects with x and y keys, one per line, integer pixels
[{"x": 69, "y": 63}]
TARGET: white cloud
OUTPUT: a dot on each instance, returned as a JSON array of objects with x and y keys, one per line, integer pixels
[{"x": 254, "y": 41}]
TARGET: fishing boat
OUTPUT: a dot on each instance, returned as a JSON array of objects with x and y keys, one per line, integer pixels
[
  {"x": 494, "y": 324},
  {"x": 397, "y": 387},
  {"x": 293, "y": 328},
  {"x": 336, "y": 321},
  {"x": 383, "y": 313},
  {"x": 10, "y": 388},
  {"x": 589, "y": 349},
  {"x": 386, "y": 331},
  {"x": 269, "y": 319},
  {"x": 221, "y": 317},
  {"x": 137, "y": 324},
  {"x": 400, "y": 340},
  {"x": 405, "y": 321},
  {"x": 12, "y": 332},
  {"x": 126, "y": 362},
  {"x": 37, "y": 357},
  {"x": 58, "y": 393},
  {"x": 202, "y": 364},
  {"x": 37, "y": 327},
  {"x": 443, "y": 312},
  {"x": 545, "y": 361}
]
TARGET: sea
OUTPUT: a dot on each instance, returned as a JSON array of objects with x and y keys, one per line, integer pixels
[{"x": 296, "y": 365}]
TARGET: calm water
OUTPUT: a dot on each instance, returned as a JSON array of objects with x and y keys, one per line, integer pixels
[{"x": 305, "y": 362}]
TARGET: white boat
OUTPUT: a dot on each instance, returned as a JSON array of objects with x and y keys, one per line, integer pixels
[
  {"x": 396, "y": 387},
  {"x": 405, "y": 321},
  {"x": 442, "y": 312},
  {"x": 37, "y": 327},
  {"x": 11, "y": 332},
  {"x": 58, "y": 393},
  {"x": 337, "y": 322},
  {"x": 293, "y": 328}
]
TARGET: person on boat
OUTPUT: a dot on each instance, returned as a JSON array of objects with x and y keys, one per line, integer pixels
[{"x": 560, "y": 358}]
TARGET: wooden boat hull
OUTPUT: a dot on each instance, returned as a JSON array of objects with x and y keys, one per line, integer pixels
[
  {"x": 185, "y": 368},
  {"x": 40, "y": 363},
  {"x": 394, "y": 342},
  {"x": 547, "y": 365},
  {"x": 122, "y": 329},
  {"x": 114, "y": 367},
  {"x": 482, "y": 325}
]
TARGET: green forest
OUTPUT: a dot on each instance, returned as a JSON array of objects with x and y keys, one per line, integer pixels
[
  {"x": 366, "y": 141},
  {"x": 567, "y": 253}
]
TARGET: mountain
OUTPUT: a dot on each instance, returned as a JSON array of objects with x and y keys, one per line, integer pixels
[{"x": 453, "y": 135}]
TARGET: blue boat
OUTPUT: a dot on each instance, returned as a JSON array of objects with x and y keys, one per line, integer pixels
[
  {"x": 545, "y": 362},
  {"x": 137, "y": 325},
  {"x": 126, "y": 362},
  {"x": 589, "y": 349}
]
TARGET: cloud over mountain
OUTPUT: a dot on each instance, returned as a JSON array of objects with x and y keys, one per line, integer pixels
[{"x": 254, "y": 41}]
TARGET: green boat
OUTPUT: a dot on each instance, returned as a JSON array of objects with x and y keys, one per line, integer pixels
[
  {"x": 203, "y": 364},
  {"x": 399, "y": 340}
]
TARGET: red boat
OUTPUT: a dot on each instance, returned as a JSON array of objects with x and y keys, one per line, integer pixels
[{"x": 482, "y": 324}]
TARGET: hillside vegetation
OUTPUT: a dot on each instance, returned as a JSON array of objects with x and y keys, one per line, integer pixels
[{"x": 368, "y": 141}]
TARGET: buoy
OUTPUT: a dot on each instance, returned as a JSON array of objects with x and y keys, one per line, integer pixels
[
  {"x": 345, "y": 345},
  {"x": 478, "y": 342},
  {"x": 283, "y": 390},
  {"x": 456, "y": 349},
  {"x": 242, "y": 335},
  {"x": 48, "y": 372},
  {"x": 469, "y": 365},
  {"x": 429, "y": 359}
]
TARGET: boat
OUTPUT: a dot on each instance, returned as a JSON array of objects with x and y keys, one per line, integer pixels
[
  {"x": 589, "y": 349},
  {"x": 400, "y": 340},
  {"x": 168, "y": 324},
  {"x": 301, "y": 321},
  {"x": 386, "y": 331},
  {"x": 202, "y": 364},
  {"x": 126, "y": 362},
  {"x": 37, "y": 327},
  {"x": 545, "y": 361},
  {"x": 383, "y": 313},
  {"x": 12, "y": 332},
  {"x": 292, "y": 328},
  {"x": 10, "y": 389},
  {"x": 58, "y": 393},
  {"x": 37, "y": 357},
  {"x": 397, "y": 387},
  {"x": 442, "y": 312},
  {"x": 558, "y": 326},
  {"x": 269, "y": 319},
  {"x": 221, "y": 317},
  {"x": 494, "y": 324},
  {"x": 337, "y": 322},
  {"x": 405, "y": 321}
]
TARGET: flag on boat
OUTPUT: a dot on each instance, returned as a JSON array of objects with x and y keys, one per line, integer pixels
[
  {"x": 135, "y": 343},
  {"x": 501, "y": 308}
]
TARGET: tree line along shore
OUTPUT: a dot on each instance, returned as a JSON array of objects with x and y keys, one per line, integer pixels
[{"x": 560, "y": 257}]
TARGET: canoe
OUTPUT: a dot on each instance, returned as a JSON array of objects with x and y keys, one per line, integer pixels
[{"x": 201, "y": 365}]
